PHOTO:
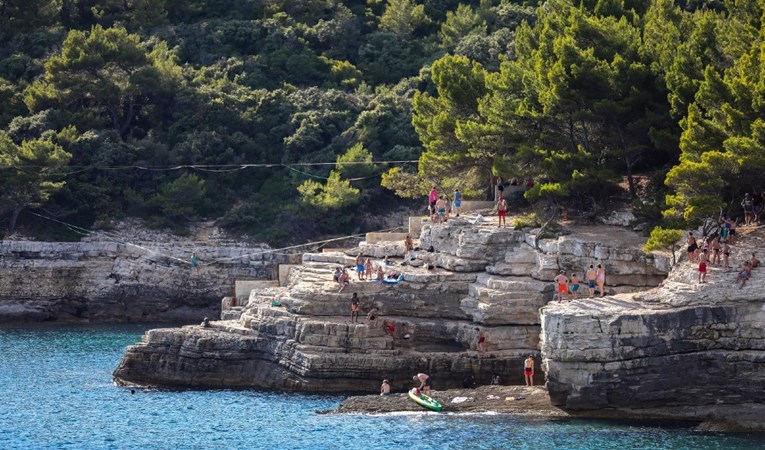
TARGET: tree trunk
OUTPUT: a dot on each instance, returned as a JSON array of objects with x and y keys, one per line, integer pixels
[
  {"x": 491, "y": 191},
  {"x": 15, "y": 217},
  {"x": 630, "y": 179}
]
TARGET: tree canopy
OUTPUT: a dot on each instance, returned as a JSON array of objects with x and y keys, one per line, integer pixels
[{"x": 280, "y": 118}]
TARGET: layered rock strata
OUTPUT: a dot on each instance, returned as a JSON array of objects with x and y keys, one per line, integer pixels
[
  {"x": 107, "y": 281},
  {"x": 684, "y": 350},
  {"x": 476, "y": 277}
]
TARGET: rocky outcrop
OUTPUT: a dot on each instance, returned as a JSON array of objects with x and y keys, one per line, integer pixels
[
  {"x": 684, "y": 350},
  {"x": 300, "y": 336},
  {"x": 102, "y": 279}
]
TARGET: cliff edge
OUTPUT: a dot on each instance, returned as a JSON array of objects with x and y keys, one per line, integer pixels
[{"x": 683, "y": 350}]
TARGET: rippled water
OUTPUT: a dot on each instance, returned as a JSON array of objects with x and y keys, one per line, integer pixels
[{"x": 56, "y": 393}]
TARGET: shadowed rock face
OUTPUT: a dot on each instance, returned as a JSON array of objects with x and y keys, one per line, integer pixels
[
  {"x": 684, "y": 350},
  {"x": 483, "y": 277}
]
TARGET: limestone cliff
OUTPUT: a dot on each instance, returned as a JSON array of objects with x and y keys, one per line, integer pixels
[
  {"x": 481, "y": 276},
  {"x": 684, "y": 350},
  {"x": 102, "y": 279}
]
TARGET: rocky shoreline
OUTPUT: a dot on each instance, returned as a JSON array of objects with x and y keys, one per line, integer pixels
[
  {"x": 130, "y": 274},
  {"x": 493, "y": 398},
  {"x": 478, "y": 278}
]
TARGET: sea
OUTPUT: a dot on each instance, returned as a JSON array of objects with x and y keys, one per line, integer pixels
[{"x": 56, "y": 392}]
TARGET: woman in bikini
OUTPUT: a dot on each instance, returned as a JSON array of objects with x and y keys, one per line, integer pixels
[
  {"x": 692, "y": 246},
  {"x": 726, "y": 255}
]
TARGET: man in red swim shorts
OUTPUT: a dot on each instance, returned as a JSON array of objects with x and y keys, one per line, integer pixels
[{"x": 528, "y": 370}]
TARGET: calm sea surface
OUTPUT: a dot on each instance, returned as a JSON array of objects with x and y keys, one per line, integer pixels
[{"x": 56, "y": 392}]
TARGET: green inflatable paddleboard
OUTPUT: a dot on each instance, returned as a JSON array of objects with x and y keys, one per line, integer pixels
[{"x": 424, "y": 400}]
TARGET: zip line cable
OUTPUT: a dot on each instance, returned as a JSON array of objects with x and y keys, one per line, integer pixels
[
  {"x": 275, "y": 251},
  {"x": 215, "y": 168},
  {"x": 218, "y": 166}
]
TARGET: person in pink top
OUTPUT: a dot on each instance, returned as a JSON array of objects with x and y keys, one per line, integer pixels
[{"x": 432, "y": 198}]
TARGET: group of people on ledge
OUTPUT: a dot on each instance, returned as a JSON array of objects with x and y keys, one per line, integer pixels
[
  {"x": 366, "y": 270},
  {"x": 441, "y": 207},
  {"x": 570, "y": 286},
  {"x": 424, "y": 381},
  {"x": 715, "y": 249}
]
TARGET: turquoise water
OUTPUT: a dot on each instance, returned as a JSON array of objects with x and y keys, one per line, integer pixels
[{"x": 56, "y": 393}]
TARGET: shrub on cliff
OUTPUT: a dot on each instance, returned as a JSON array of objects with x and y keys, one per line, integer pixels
[{"x": 663, "y": 239}]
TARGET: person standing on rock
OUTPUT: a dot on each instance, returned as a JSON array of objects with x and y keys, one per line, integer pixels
[
  {"x": 703, "y": 267},
  {"x": 194, "y": 262},
  {"x": 481, "y": 344},
  {"x": 441, "y": 210},
  {"x": 432, "y": 201},
  {"x": 425, "y": 383},
  {"x": 692, "y": 246},
  {"x": 601, "y": 280},
  {"x": 528, "y": 370},
  {"x": 502, "y": 211},
  {"x": 368, "y": 269},
  {"x": 457, "y": 203},
  {"x": 355, "y": 308},
  {"x": 726, "y": 255},
  {"x": 360, "y": 267},
  {"x": 408, "y": 244},
  {"x": 591, "y": 276},
  {"x": 561, "y": 283},
  {"x": 574, "y": 285}
]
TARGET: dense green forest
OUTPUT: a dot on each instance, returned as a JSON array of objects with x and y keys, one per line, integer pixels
[{"x": 289, "y": 119}]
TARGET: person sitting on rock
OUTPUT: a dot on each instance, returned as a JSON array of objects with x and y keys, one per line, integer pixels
[
  {"x": 495, "y": 380},
  {"x": 468, "y": 382},
  {"x": 385, "y": 388},
  {"x": 744, "y": 275},
  {"x": 380, "y": 273},
  {"x": 425, "y": 383},
  {"x": 336, "y": 274},
  {"x": 344, "y": 279},
  {"x": 372, "y": 315},
  {"x": 754, "y": 262}
]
